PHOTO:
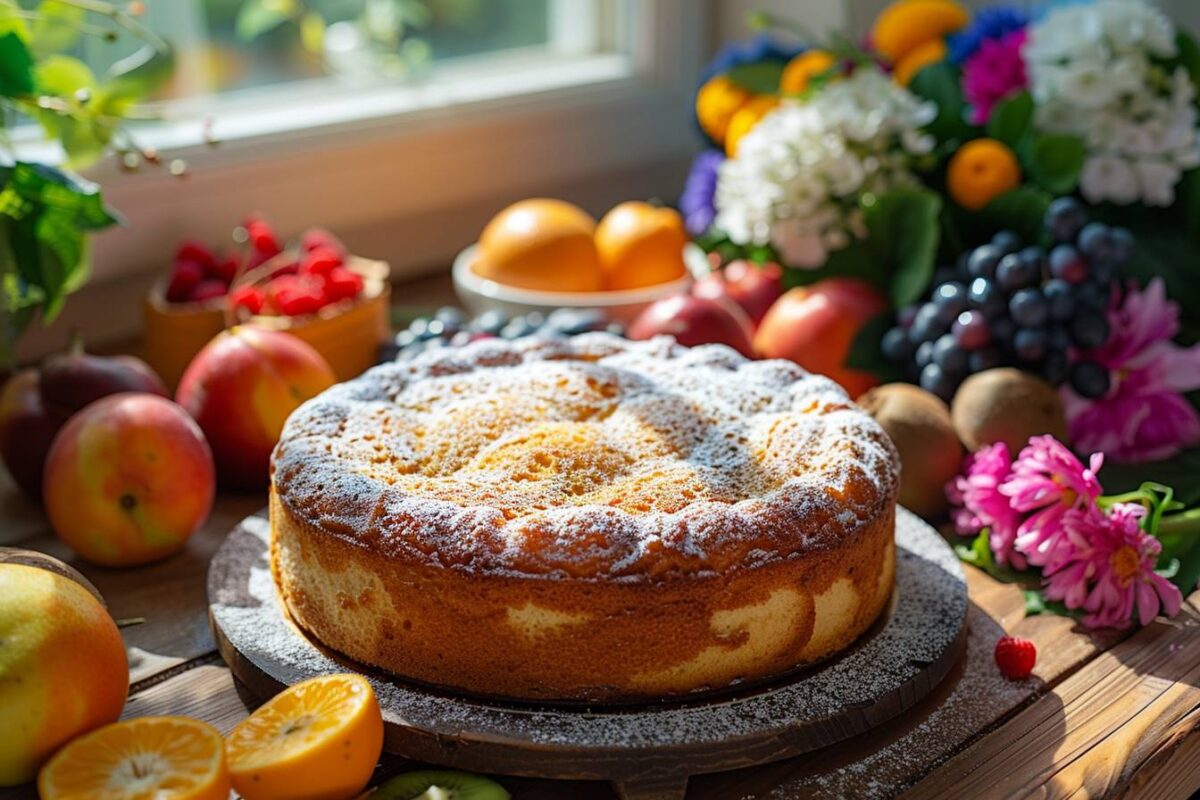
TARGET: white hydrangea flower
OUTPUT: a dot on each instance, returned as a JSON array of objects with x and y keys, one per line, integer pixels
[
  {"x": 1093, "y": 74},
  {"x": 799, "y": 174}
]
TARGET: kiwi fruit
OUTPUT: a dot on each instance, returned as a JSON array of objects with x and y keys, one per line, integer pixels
[
  {"x": 439, "y": 784},
  {"x": 918, "y": 423},
  {"x": 1006, "y": 405}
]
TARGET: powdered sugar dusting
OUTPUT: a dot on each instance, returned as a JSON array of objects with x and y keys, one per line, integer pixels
[{"x": 589, "y": 456}]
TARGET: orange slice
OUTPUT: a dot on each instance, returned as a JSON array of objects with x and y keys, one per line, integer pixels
[
  {"x": 151, "y": 758},
  {"x": 317, "y": 740}
]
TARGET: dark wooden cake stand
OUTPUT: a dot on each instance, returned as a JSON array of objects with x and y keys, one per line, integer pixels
[{"x": 647, "y": 751}]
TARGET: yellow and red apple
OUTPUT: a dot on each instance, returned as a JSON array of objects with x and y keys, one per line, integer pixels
[
  {"x": 241, "y": 388},
  {"x": 128, "y": 480},
  {"x": 815, "y": 326}
]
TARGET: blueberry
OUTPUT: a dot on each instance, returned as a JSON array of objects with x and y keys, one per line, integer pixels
[
  {"x": 987, "y": 358},
  {"x": 423, "y": 328},
  {"x": 1091, "y": 296},
  {"x": 1089, "y": 379},
  {"x": 1123, "y": 245},
  {"x": 971, "y": 330},
  {"x": 519, "y": 327},
  {"x": 572, "y": 321},
  {"x": 936, "y": 380},
  {"x": 405, "y": 339},
  {"x": 928, "y": 325},
  {"x": 1067, "y": 264},
  {"x": 452, "y": 317},
  {"x": 949, "y": 355},
  {"x": 490, "y": 321},
  {"x": 1102, "y": 272},
  {"x": 896, "y": 346},
  {"x": 906, "y": 315},
  {"x": 1030, "y": 344},
  {"x": 615, "y": 328},
  {"x": 1065, "y": 217},
  {"x": 1089, "y": 330},
  {"x": 1014, "y": 272},
  {"x": 1095, "y": 242},
  {"x": 951, "y": 300},
  {"x": 983, "y": 260},
  {"x": 1054, "y": 367},
  {"x": 987, "y": 297},
  {"x": 1058, "y": 337},
  {"x": 1003, "y": 330},
  {"x": 1029, "y": 308},
  {"x": 1060, "y": 297},
  {"x": 1006, "y": 242},
  {"x": 1034, "y": 258},
  {"x": 923, "y": 354}
]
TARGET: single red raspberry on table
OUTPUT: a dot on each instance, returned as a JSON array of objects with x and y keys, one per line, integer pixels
[
  {"x": 342, "y": 284},
  {"x": 251, "y": 298},
  {"x": 320, "y": 261},
  {"x": 185, "y": 275},
  {"x": 1015, "y": 657}
]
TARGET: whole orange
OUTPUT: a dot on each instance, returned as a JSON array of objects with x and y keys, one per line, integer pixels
[
  {"x": 981, "y": 171},
  {"x": 641, "y": 245},
  {"x": 932, "y": 52},
  {"x": 745, "y": 119},
  {"x": 906, "y": 24},
  {"x": 800, "y": 71},
  {"x": 62, "y": 667},
  {"x": 716, "y": 103},
  {"x": 541, "y": 244}
]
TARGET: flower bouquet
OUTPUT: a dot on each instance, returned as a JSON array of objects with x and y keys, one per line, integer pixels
[{"x": 1022, "y": 189}]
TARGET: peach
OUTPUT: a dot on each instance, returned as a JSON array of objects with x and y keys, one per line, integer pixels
[
  {"x": 63, "y": 670},
  {"x": 128, "y": 480},
  {"x": 641, "y": 245},
  {"x": 541, "y": 244},
  {"x": 241, "y": 388},
  {"x": 815, "y": 326}
]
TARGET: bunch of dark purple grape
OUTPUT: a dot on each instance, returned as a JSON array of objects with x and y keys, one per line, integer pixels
[{"x": 1007, "y": 303}]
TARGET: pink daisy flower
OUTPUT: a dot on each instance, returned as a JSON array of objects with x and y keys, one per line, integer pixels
[
  {"x": 1107, "y": 569},
  {"x": 994, "y": 72},
  {"x": 979, "y": 503},
  {"x": 1144, "y": 416},
  {"x": 1047, "y": 480}
]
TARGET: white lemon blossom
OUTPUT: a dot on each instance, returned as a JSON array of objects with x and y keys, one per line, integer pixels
[
  {"x": 1092, "y": 73},
  {"x": 799, "y": 174}
]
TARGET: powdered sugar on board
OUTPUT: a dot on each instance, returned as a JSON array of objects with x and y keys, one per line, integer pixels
[
  {"x": 505, "y": 456},
  {"x": 839, "y": 698}
]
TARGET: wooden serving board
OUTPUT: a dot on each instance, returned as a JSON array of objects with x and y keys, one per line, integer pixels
[{"x": 647, "y": 751}]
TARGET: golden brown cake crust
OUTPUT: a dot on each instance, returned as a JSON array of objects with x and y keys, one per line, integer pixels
[{"x": 586, "y": 519}]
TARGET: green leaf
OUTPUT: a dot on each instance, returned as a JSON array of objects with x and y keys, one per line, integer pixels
[
  {"x": 56, "y": 27},
  {"x": 940, "y": 83},
  {"x": 1181, "y": 473},
  {"x": 979, "y": 555},
  {"x": 1056, "y": 161},
  {"x": 1011, "y": 119},
  {"x": 63, "y": 76},
  {"x": 16, "y": 66},
  {"x": 12, "y": 21},
  {"x": 312, "y": 32},
  {"x": 759, "y": 77},
  {"x": 1189, "y": 54},
  {"x": 132, "y": 80},
  {"x": 903, "y": 231},
  {"x": 1022, "y": 210},
  {"x": 865, "y": 354},
  {"x": 257, "y": 17}
]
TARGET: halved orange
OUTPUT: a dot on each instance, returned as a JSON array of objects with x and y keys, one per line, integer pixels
[
  {"x": 317, "y": 740},
  {"x": 150, "y": 758}
]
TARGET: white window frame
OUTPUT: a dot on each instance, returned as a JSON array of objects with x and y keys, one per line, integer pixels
[{"x": 414, "y": 153}]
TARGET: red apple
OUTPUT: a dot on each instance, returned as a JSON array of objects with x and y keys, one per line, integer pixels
[
  {"x": 241, "y": 388},
  {"x": 815, "y": 326},
  {"x": 696, "y": 320},
  {"x": 754, "y": 287},
  {"x": 128, "y": 480}
]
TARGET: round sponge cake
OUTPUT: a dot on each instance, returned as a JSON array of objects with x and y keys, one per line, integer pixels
[{"x": 584, "y": 519}]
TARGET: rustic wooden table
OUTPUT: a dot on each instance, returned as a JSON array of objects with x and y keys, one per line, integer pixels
[{"x": 1103, "y": 716}]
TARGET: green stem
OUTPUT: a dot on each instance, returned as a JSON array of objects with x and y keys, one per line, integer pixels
[
  {"x": 124, "y": 19},
  {"x": 1183, "y": 523}
]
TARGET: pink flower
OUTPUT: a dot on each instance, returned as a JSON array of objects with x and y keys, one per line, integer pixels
[
  {"x": 1144, "y": 416},
  {"x": 979, "y": 503},
  {"x": 994, "y": 72},
  {"x": 1106, "y": 567},
  {"x": 1048, "y": 480}
]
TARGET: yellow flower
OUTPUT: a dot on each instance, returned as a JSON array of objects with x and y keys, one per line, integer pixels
[
  {"x": 716, "y": 103},
  {"x": 921, "y": 56},
  {"x": 906, "y": 24},
  {"x": 745, "y": 119},
  {"x": 981, "y": 171},
  {"x": 803, "y": 68}
]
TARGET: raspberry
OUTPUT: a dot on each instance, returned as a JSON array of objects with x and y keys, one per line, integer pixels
[
  {"x": 262, "y": 238},
  {"x": 296, "y": 295},
  {"x": 320, "y": 261},
  {"x": 314, "y": 238},
  {"x": 225, "y": 269},
  {"x": 342, "y": 284},
  {"x": 249, "y": 297},
  {"x": 196, "y": 252},
  {"x": 208, "y": 290},
  {"x": 184, "y": 277},
  {"x": 1015, "y": 657}
]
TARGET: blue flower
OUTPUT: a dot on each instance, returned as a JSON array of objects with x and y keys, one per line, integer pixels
[
  {"x": 990, "y": 23},
  {"x": 696, "y": 201},
  {"x": 762, "y": 47}
]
